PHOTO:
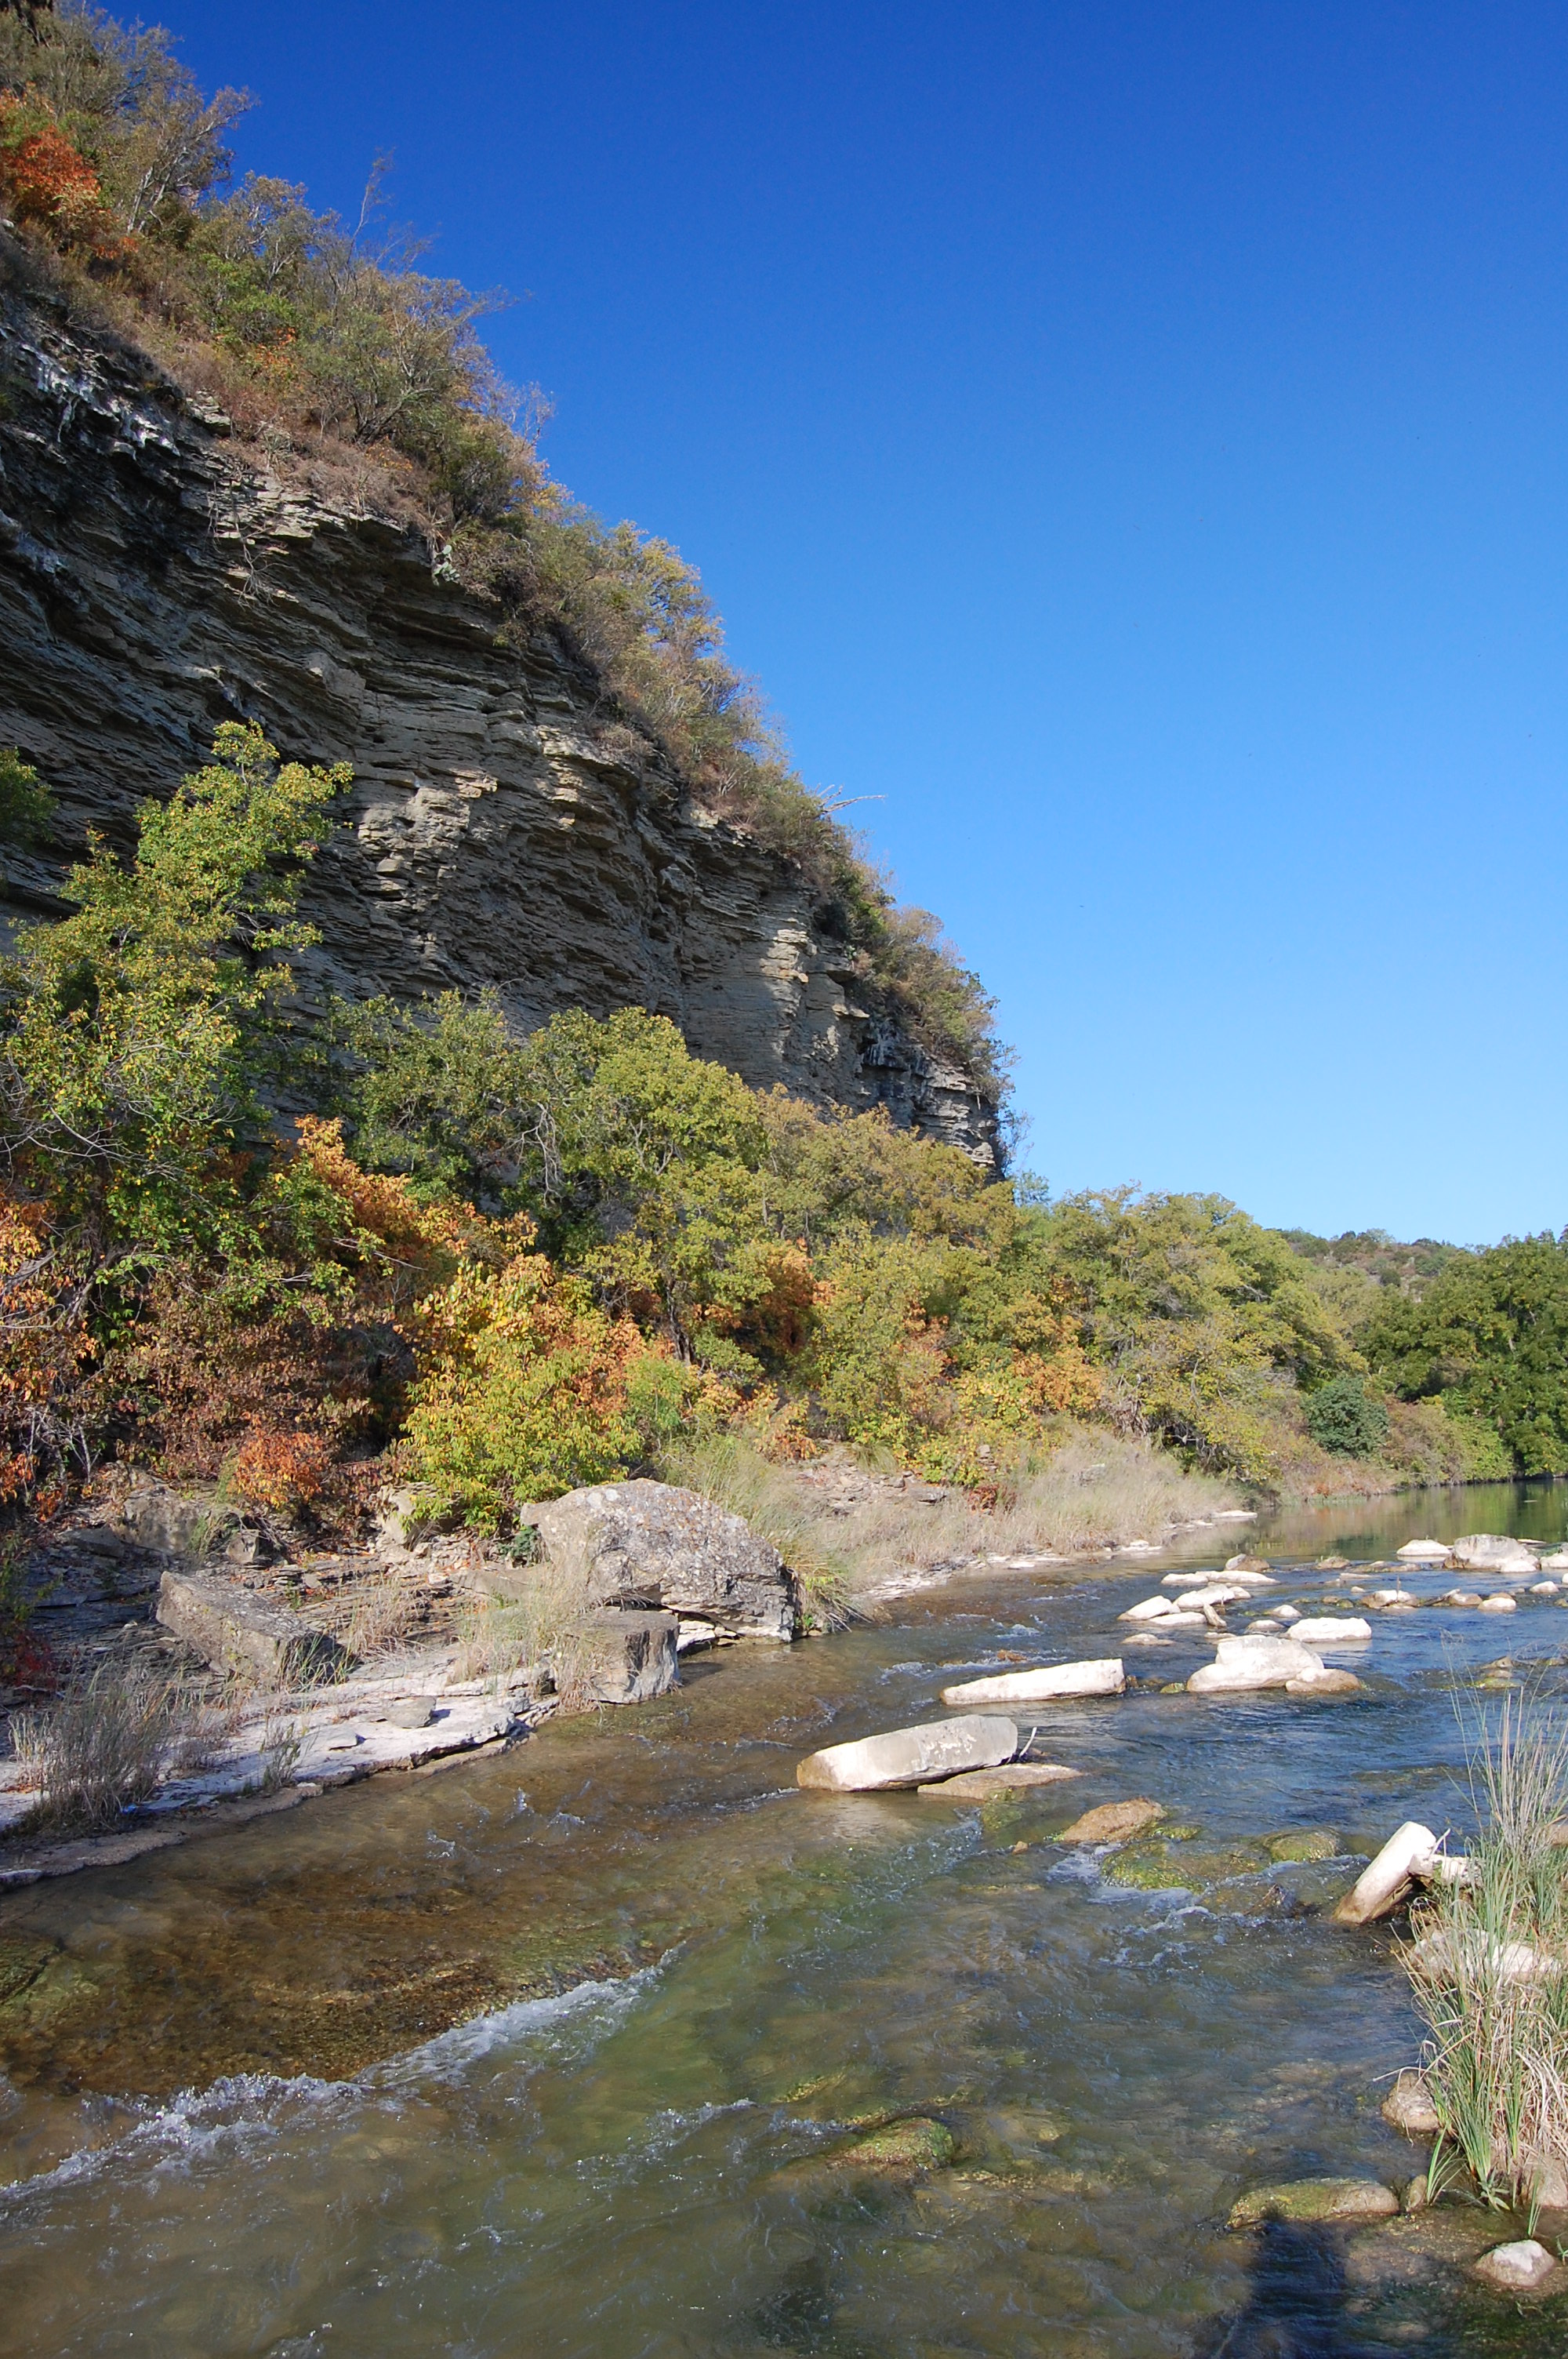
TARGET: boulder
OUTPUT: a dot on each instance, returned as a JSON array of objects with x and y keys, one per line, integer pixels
[
  {"x": 1185, "y": 1580},
  {"x": 1379, "y": 1888},
  {"x": 176, "y": 1523},
  {"x": 1333, "y": 1563},
  {"x": 1114, "y": 1822},
  {"x": 1499, "y": 1604},
  {"x": 1247, "y": 1563},
  {"x": 986, "y": 1785},
  {"x": 619, "y": 1657},
  {"x": 1462, "y": 1597},
  {"x": 1408, "y": 2107},
  {"x": 643, "y": 1544},
  {"x": 1316, "y": 2198},
  {"x": 1556, "y": 1562},
  {"x": 1218, "y": 1592},
  {"x": 1544, "y": 1588},
  {"x": 1424, "y": 1551},
  {"x": 1152, "y": 1609},
  {"x": 1520, "y": 2267},
  {"x": 1245, "y": 1664},
  {"x": 1045, "y": 1685},
  {"x": 1325, "y": 1683},
  {"x": 1492, "y": 1552},
  {"x": 237, "y": 1632},
  {"x": 910, "y": 1756},
  {"x": 1330, "y": 1629}
]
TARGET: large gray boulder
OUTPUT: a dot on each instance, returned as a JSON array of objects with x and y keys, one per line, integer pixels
[
  {"x": 911, "y": 1756},
  {"x": 241, "y": 1634},
  {"x": 1493, "y": 1553},
  {"x": 653, "y": 1545}
]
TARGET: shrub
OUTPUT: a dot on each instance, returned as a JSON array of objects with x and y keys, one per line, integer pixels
[
  {"x": 25, "y": 807},
  {"x": 1344, "y": 1420},
  {"x": 524, "y": 1393}
]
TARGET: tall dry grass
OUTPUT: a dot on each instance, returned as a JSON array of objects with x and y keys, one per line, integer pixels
[
  {"x": 1094, "y": 1491},
  {"x": 102, "y": 1747},
  {"x": 1489, "y": 1967}
]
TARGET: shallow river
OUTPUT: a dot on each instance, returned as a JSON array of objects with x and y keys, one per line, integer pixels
[{"x": 237, "y": 2117}]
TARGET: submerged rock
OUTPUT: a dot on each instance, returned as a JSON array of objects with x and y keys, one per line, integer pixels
[
  {"x": 1302, "y": 1846},
  {"x": 910, "y": 1756},
  {"x": 914, "y": 2145},
  {"x": 1114, "y": 1822},
  {"x": 1043, "y": 1685},
  {"x": 1315, "y": 2200}
]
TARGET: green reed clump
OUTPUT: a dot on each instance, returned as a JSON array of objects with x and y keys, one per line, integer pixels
[{"x": 1489, "y": 1967}]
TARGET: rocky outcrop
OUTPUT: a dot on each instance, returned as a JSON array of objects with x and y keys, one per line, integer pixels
[
  {"x": 653, "y": 1544},
  {"x": 505, "y": 828}
]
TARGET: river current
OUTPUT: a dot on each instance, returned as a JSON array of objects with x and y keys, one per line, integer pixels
[{"x": 547, "y": 2055}]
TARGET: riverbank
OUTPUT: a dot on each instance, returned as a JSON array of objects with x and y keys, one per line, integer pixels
[{"x": 439, "y": 2055}]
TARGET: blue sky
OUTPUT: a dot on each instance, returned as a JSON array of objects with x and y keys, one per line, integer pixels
[{"x": 1126, "y": 439}]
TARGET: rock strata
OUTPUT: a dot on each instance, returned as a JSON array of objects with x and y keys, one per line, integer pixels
[
  {"x": 235, "y": 1632},
  {"x": 508, "y": 826}
]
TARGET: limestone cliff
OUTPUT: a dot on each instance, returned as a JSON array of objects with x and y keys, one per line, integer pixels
[{"x": 506, "y": 827}]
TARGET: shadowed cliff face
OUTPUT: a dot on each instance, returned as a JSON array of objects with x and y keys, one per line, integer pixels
[{"x": 503, "y": 828}]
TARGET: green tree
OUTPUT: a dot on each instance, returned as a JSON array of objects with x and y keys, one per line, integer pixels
[
  {"x": 135, "y": 1034},
  {"x": 1489, "y": 1337},
  {"x": 1344, "y": 1420}
]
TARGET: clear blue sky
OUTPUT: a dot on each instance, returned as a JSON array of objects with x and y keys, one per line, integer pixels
[{"x": 1130, "y": 440}]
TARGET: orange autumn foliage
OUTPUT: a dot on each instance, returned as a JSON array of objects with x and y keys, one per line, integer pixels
[{"x": 45, "y": 180}]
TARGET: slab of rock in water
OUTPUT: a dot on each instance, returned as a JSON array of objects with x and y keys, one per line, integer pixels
[
  {"x": 1315, "y": 2200},
  {"x": 985, "y": 1785},
  {"x": 910, "y": 1756},
  {"x": 1043, "y": 1685},
  {"x": 1114, "y": 1822},
  {"x": 1522, "y": 2267},
  {"x": 235, "y": 1631},
  {"x": 1379, "y": 1888},
  {"x": 652, "y": 1544},
  {"x": 1329, "y": 1629},
  {"x": 1246, "y": 1665}
]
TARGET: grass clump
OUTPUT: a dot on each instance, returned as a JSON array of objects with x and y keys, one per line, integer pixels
[
  {"x": 1489, "y": 1968},
  {"x": 102, "y": 1747}
]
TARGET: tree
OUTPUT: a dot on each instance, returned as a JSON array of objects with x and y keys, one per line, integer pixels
[
  {"x": 1489, "y": 1337},
  {"x": 1343, "y": 1419},
  {"x": 135, "y": 1034}
]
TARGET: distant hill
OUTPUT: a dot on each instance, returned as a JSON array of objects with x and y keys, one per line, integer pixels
[{"x": 1408, "y": 1268}]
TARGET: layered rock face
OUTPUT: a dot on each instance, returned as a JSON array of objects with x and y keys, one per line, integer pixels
[{"x": 505, "y": 827}]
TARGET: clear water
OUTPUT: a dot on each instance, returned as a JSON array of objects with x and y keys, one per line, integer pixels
[{"x": 548, "y": 2056}]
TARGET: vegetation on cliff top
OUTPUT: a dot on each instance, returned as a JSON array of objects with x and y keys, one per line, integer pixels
[{"x": 115, "y": 175}]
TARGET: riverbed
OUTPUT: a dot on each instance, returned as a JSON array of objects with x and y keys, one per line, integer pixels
[{"x": 550, "y": 2055}]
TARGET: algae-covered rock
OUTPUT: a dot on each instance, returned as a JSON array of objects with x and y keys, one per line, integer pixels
[
  {"x": 38, "y": 1983},
  {"x": 913, "y": 2145},
  {"x": 1113, "y": 1821},
  {"x": 1164, "y": 1865},
  {"x": 1306, "y": 1845},
  {"x": 1315, "y": 2200}
]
